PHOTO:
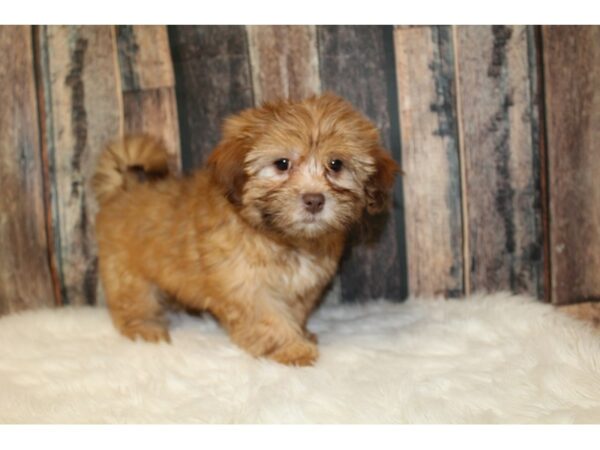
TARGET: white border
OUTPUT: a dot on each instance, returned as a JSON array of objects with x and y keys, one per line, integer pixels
[
  {"x": 320, "y": 12},
  {"x": 300, "y": 437}
]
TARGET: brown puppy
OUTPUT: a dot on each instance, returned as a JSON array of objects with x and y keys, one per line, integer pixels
[{"x": 254, "y": 237}]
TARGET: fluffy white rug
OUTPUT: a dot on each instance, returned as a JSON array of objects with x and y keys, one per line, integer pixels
[{"x": 487, "y": 359}]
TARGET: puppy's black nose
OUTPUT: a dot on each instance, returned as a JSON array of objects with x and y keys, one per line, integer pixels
[{"x": 313, "y": 202}]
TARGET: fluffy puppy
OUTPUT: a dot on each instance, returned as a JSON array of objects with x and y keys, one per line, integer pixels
[{"x": 254, "y": 237}]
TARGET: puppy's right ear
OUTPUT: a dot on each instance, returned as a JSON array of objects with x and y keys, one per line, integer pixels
[
  {"x": 226, "y": 164},
  {"x": 240, "y": 132}
]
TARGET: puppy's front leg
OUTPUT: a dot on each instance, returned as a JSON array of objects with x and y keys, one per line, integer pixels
[
  {"x": 270, "y": 332},
  {"x": 302, "y": 307}
]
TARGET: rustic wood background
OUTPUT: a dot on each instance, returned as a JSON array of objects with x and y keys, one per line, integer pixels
[{"x": 496, "y": 128}]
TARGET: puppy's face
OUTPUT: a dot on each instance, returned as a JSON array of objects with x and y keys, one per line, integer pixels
[{"x": 303, "y": 169}]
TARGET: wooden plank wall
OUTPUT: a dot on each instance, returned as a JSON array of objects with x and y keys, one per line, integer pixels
[{"x": 494, "y": 127}]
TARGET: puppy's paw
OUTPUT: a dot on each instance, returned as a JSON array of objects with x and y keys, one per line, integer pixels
[
  {"x": 149, "y": 330},
  {"x": 296, "y": 353}
]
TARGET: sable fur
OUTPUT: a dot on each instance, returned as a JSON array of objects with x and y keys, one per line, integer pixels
[{"x": 236, "y": 238}]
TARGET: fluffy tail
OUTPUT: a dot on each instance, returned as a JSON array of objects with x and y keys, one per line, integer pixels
[{"x": 129, "y": 161}]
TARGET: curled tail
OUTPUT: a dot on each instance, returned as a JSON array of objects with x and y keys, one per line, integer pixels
[{"x": 128, "y": 161}]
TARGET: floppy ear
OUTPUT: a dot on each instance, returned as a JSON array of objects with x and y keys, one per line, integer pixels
[
  {"x": 240, "y": 132},
  {"x": 226, "y": 164},
  {"x": 380, "y": 184}
]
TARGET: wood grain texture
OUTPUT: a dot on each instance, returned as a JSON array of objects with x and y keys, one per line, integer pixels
[
  {"x": 25, "y": 280},
  {"x": 357, "y": 62},
  {"x": 572, "y": 75},
  {"x": 285, "y": 62},
  {"x": 83, "y": 102},
  {"x": 430, "y": 160},
  {"x": 154, "y": 111},
  {"x": 499, "y": 127},
  {"x": 213, "y": 80},
  {"x": 148, "y": 84},
  {"x": 144, "y": 57}
]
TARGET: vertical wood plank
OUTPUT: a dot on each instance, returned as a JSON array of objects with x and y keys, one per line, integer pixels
[
  {"x": 148, "y": 84},
  {"x": 84, "y": 111},
  {"x": 499, "y": 124},
  {"x": 430, "y": 156},
  {"x": 357, "y": 62},
  {"x": 538, "y": 135},
  {"x": 572, "y": 88},
  {"x": 25, "y": 280},
  {"x": 285, "y": 62},
  {"x": 144, "y": 57},
  {"x": 213, "y": 80}
]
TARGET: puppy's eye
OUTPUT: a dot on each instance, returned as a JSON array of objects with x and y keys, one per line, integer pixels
[
  {"x": 282, "y": 164},
  {"x": 336, "y": 165}
]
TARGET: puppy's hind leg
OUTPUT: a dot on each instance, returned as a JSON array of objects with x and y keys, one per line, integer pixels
[{"x": 135, "y": 307}]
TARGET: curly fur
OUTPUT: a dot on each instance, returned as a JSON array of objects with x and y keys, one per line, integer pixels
[{"x": 237, "y": 237}]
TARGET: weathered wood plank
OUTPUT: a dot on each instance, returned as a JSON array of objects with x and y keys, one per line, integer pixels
[
  {"x": 144, "y": 57},
  {"x": 45, "y": 157},
  {"x": 213, "y": 80},
  {"x": 84, "y": 111},
  {"x": 499, "y": 126},
  {"x": 148, "y": 85},
  {"x": 357, "y": 62},
  {"x": 430, "y": 157},
  {"x": 25, "y": 280},
  {"x": 285, "y": 62},
  {"x": 572, "y": 88}
]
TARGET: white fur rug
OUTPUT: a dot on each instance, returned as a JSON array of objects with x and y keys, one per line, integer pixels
[{"x": 488, "y": 359}]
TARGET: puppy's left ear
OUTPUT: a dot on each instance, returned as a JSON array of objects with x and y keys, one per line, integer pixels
[{"x": 380, "y": 184}]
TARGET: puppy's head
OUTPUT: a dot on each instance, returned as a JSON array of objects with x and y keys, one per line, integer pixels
[{"x": 303, "y": 168}]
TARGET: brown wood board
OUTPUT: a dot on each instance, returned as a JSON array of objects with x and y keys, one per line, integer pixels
[
  {"x": 25, "y": 280},
  {"x": 572, "y": 88},
  {"x": 285, "y": 62},
  {"x": 430, "y": 160}
]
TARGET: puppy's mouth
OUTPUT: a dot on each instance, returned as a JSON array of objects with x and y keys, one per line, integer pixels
[
  {"x": 306, "y": 224},
  {"x": 310, "y": 219}
]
